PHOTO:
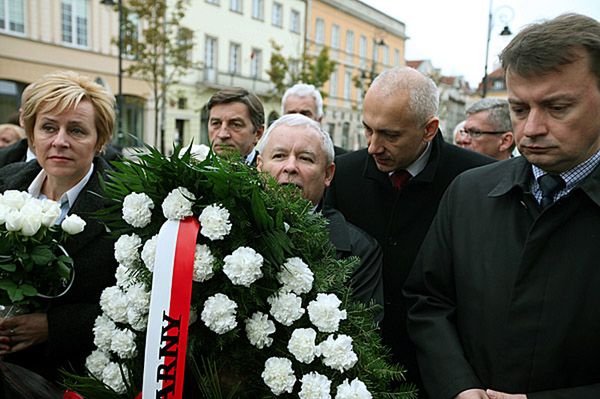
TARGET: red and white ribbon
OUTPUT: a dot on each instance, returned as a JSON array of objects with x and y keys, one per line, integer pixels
[{"x": 166, "y": 337}]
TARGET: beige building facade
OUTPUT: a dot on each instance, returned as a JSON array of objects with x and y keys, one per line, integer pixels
[{"x": 363, "y": 41}]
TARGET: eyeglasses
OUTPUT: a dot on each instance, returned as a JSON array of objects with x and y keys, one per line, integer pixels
[{"x": 478, "y": 133}]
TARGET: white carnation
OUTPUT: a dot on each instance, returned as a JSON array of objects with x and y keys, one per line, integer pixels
[
  {"x": 325, "y": 314},
  {"x": 96, "y": 362},
  {"x": 138, "y": 297},
  {"x": 199, "y": 152},
  {"x": 338, "y": 353},
  {"x": 149, "y": 252},
  {"x": 302, "y": 345},
  {"x": 214, "y": 222},
  {"x": 123, "y": 277},
  {"x": 114, "y": 304},
  {"x": 353, "y": 390},
  {"x": 126, "y": 249},
  {"x": 315, "y": 386},
  {"x": 243, "y": 266},
  {"x": 295, "y": 276},
  {"x": 50, "y": 212},
  {"x": 219, "y": 313},
  {"x": 137, "y": 209},
  {"x": 103, "y": 331},
  {"x": 73, "y": 224},
  {"x": 286, "y": 308},
  {"x": 137, "y": 320},
  {"x": 112, "y": 377},
  {"x": 258, "y": 329},
  {"x": 178, "y": 204},
  {"x": 279, "y": 375},
  {"x": 123, "y": 343},
  {"x": 203, "y": 263}
]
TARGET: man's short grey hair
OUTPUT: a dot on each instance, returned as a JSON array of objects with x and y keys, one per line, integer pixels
[
  {"x": 294, "y": 120},
  {"x": 304, "y": 90},
  {"x": 498, "y": 112},
  {"x": 424, "y": 96}
]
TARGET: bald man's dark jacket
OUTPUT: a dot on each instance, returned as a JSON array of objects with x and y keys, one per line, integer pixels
[{"x": 398, "y": 220}]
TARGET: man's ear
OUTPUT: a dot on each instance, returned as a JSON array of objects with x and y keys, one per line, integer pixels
[
  {"x": 259, "y": 162},
  {"x": 431, "y": 128},
  {"x": 329, "y": 172},
  {"x": 258, "y": 134},
  {"x": 507, "y": 141}
]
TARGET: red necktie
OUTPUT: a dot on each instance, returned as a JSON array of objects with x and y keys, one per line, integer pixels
[{"x": 399, "y": 178}]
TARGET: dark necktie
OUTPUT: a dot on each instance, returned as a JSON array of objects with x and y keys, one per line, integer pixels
[
  {"x": 550, "y": 185},
  {"x": 399, "y": 178}
]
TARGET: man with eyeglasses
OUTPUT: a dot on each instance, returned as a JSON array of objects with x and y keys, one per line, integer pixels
[
  {"x": 503, "y": 296},
  {"x": 488, "y": 129}
]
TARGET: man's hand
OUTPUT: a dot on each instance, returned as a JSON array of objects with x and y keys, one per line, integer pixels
[
  {"x": 501, "y": 395},
  {"x": 472, "y": 394}
]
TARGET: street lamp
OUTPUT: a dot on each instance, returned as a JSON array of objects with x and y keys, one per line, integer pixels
[
  {"x": 120, "y": 75},
  {"x": 505, "y": 15}
]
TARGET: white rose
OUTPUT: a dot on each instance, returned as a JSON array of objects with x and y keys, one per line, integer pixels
[
  {"x": 178, "y": 204},
  {"x": 50, "y": 212},
  {"x": 73, "y": 224},
  {"x": 14, "y": 220},
  {"x": 137, "y": 209},
  {"x": 31, "y": 217},
  {"x": 15, "y": 199},
  {"x": 199, "y": 152},
  {"x": 3, "y": 212}
]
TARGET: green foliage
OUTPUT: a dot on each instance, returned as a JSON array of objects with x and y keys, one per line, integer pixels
[
  {"x": 279, "y": 224},
  {"x": 315, "y": 70},
  {"x": 161, "y": 53}
]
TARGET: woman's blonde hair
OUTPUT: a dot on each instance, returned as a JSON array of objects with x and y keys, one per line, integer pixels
[{"x": 64, "y": 90}]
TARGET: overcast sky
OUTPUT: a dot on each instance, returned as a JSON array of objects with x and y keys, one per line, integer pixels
[{"x": 452, "y": 34}]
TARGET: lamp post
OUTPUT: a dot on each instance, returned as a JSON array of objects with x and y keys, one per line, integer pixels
[
  {"x": 120, "y": 74},
  {"x": 505, "y": 19}
]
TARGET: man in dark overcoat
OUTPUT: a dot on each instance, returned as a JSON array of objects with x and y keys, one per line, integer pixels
[
  {"x": 392, "y": 188},
  {"x": 504, "y": 293}
]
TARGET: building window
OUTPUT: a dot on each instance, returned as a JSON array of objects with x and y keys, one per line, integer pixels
[
  {"x": 349, "y": 43},
  {"x": 335, "y": 36},
  {"x": 182, "y": 103},
  {"x": 277, "y": 15},
  {"x": 320, "y": 31},
  {"x": 347, "y": 85},
  {"x": 333, "y": 83},
  {"x": 10, "y": 97},
  {"x": 396, "y": 57},
  {"x": 213, "y": 2},
  {"x": 256, "y": 63},
  {"x": 12, "y": 16},
  {"x": 295, "y": 21},
  {"x": 235, "y": 5},
  {"x": 132, "y": 134},
  {"x": 210, "y": 59},
  {"x": 362, "y": 50},
  {"x": 345, "y": 135},
  {"x": 185, "y": 38},
  {"x": 235, "y": 58},
  {"x": 133, "y": 35},
  {"x": 258, "y": 9},
  {"x": 74, "y": 22},
  {"x": 386, "y": 55}
]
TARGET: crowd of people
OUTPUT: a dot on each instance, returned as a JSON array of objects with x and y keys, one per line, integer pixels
[{"x": 484, "y": 259}]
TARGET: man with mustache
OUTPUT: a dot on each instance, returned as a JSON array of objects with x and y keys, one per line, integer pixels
[
  {"x": 392, "y": 188},
  {"x": 235, "y": 122},
  {"x": 295, "y": 150},
  {"x": 504, "y": 293}
]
